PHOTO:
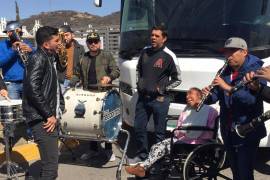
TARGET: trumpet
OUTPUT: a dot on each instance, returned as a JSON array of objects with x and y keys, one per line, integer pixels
[
  {"x": 62, "y": 52},
  {"x": 219, "y": 73}
]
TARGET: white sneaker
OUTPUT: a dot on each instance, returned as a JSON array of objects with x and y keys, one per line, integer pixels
[
  {"x": 30, "y": 141},
  {"x": 89, "y": 155},
  {"x": 112, "y": 158},
  {"x": 110, "y": 155},
  {"x": 134, "y": 161}
]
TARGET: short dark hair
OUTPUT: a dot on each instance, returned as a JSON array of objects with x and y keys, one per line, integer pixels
[
  {"x": 162, "y": 29},
  {"x": 197, "y": 90},
  {"x": 65, "y": 28},
  {"x": 45, "y": 34}
]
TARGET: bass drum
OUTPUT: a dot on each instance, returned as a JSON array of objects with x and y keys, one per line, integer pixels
[{"x": 91, "y": 115}]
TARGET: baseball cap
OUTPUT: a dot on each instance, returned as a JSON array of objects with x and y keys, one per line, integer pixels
[
  {"x": 12, "y": 25},
  {"x": 92, "y": 36},
  {"x": 235, "y": 42},
  {"x": 65, "y": 28}
]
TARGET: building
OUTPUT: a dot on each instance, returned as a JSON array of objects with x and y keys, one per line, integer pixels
[
  {"x": 109, "y": 36},
  {"x": 3, "y": 23}
]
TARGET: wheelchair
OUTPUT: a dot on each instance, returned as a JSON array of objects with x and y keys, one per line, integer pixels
[{"x": 193, "y": 161}]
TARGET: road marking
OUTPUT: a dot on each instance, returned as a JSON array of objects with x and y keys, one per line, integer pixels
[{"x": 22, "y": 153}]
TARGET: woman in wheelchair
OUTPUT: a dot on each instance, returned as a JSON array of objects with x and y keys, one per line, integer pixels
[{"x": 189, "y": 116}]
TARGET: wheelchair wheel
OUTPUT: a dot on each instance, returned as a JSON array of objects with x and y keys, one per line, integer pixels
[{"x": 205, "y": 162}]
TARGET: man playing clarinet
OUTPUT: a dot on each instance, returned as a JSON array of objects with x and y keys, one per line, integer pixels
[{"x": 237, "y": 108}]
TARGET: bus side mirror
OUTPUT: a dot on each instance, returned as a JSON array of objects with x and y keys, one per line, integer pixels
[{"x": 98, "y": 3}]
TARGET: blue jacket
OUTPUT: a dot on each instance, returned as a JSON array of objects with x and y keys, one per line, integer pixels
[
  {"x": 242, "y": 106},
  {"x": 10, "y": 62}
]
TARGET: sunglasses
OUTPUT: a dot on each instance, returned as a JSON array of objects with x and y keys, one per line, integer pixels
[{"x": 95, "y": 41}]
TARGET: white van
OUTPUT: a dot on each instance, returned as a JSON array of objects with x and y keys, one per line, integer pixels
[{"x": 196, "y": 31}]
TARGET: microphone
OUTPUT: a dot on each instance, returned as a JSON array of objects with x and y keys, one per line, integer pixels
[{"x": 244, "y": 129}]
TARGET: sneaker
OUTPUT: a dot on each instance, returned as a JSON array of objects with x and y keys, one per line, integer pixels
[
  {"x": 31, "y": 141},
  {"x": 136, "y": 170},
  {"x": 110, "y": 155},
  {"x": 134, "y": 161},
  {"x": 30, "y": 137},
  {"x": 29, "y": 133},
  {"x": 89, "y": 155}
]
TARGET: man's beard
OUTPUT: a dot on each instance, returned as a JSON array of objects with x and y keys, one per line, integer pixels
[{"x": 69, "y": 43}]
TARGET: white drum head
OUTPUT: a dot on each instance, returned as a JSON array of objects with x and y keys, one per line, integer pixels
[{"x": 11, "y": 102}]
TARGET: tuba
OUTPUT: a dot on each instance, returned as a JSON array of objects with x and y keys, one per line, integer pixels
[{"x": 62, "y": 52}]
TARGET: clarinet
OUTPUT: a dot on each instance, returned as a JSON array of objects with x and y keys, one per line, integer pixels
[
  {"x": 242, "y": 84},
  {"x": 244, "y": 129},
  {"x": 219, "y": 73}
]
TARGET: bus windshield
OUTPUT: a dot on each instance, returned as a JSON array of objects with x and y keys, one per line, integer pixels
[{"x": 195, "y": 27}]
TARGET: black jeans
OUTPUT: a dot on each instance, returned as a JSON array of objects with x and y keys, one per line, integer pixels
[
  {"x": 94, "y": 146},
  {"x": 48, "y": 150},
  {"x": 146, "y": 107}
]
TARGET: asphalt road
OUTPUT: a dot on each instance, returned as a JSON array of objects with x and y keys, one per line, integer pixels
[{"x": 99, "y": 169}]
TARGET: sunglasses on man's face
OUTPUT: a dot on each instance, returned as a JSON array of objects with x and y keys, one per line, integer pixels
[{"x": 95, "y": 41}]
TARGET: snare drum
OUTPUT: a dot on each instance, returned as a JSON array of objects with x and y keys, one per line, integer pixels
[
  {"x": 91, "y": 115},
  {"x": 10, "y": 110}
]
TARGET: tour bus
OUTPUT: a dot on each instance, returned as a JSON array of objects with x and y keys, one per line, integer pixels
[{"x": 197, "y": 29}]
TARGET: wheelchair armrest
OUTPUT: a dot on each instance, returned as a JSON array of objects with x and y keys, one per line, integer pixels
[
  {"x": 194, "y": 128},
  {"x": 172, "y": 117}
]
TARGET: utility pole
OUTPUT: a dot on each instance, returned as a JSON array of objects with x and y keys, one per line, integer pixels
[
  {"x": 50, "y": 5},
  {"x": 17, "y": 11}
]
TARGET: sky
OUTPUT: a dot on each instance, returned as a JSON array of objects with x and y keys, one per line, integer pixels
[{"x": 33, "y": 7}]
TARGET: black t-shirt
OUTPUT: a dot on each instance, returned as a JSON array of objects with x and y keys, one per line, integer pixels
[{"x": 92, "y": 76}]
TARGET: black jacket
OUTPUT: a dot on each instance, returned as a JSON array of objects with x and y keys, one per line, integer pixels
[
  {"x": 157, "y": 70},
  {"x": 40, "y": 87},
  {"x": 77, "y": 55},
  {"x": 265, "y": 93}
]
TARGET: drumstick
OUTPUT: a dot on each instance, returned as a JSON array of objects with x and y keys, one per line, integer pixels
[{"x": 7, "y": 98}]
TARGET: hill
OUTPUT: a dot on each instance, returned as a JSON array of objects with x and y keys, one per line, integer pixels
[{"x": 77, "y": 20}]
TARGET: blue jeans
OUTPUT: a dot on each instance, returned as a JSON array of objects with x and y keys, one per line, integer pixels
[
  {"x": 146, "y": 107},
  {"x": 65, "y": 85},
  {"x": 14, "y": 90},
  {"x": 242, "y": 159}
]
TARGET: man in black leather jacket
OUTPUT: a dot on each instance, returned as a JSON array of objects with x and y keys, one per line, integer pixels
[{"x": 41, "y": 99}]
